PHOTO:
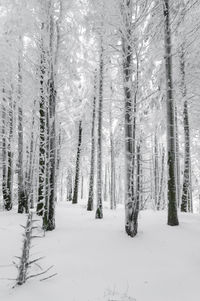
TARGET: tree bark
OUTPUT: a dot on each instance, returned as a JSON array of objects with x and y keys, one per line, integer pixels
[
  {"x": 130, "y": 125},
  {"x": 161, "y": 180},
  {"x": 42, "y": 143},
  {"x": 22, "y": 197},
  {"x": 52, "y": 131},
  {"x": 186, "y": 191},
  {"x": 99, "y": 210},
  {"x": 156, "y": 172},
  {"x": 171, "y": 135},
  {"x": 90, "y": 203},
  {"x": 76, "y": 181},
  {"x": 112, "y": 161}
]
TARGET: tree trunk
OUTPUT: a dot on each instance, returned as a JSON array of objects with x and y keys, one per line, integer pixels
[
  {"x": 161, "y": 180},
  {"x": 76, "y": 181},
  {"x": 22, "y": 197},
  {"x": 30, "y": 172},
  {"x": 47, "y": 172},
  {"x": 130, "y": 126},
  {"x": 69, "y": 185},
  {"x": 10, "y": 173},
  {"x": 171, "y": 135},
  {"x": 112, "y": 160},
  {"x": 138, "y": 189},
  {"x": 82, "y": 186},
  {"x": 99, "y": 210},
  {"x": 90, "y": 204},
  {"x": 52, "y": 132},
  {"x": 156, "y": 172},
  {"x": 177, "y": 159},
  {"x": 186, "y": 192},
  {"x": 42, "y": 143},
  {"x": 7, "y": 183}
]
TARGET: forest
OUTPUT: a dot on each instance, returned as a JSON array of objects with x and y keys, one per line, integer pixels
[{"x": 99, "y": 150}]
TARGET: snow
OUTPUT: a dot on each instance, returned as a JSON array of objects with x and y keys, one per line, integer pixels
[{"x": 96, "y": 261}]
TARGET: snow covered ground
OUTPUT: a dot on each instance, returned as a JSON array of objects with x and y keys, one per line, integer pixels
[{"x": 95, "y": 260}]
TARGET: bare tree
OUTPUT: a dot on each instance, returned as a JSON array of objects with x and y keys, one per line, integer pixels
[{"x": 171, "y": 133}]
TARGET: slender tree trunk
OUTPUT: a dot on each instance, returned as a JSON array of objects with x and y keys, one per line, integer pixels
[
  {"x": 177, "y": 159},
  {"x": 47, "y": 171},
  {"x": 82, "y": 186},
  {"x": 76, "y": 181},
  {"x": 138, "y": 188},
  {"x": 112, "y": 160},
  {"x": 52, "y": 133},
  {"x": 161, "y": 180},
  {"x": 186, "y": 192},
  {"x": 6, "y": 156},
  {"x": 42, "y": 143},
  {"x": 156, "y": 172},
  {"x": 22, "y": 197},
  {"x": 69, "y": 185},
  {"x": 171, "y": 135},
  {"x": 105, "y": 195},
  {"x": 10, "y": 173},
  {"x": 99, "y": 210},
  {"x": 90, "y": 204},
  {"x": 31, "y": 163}
]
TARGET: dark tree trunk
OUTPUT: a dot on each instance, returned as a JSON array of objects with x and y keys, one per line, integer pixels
[
  {"x": 51, "y": 134},
  {"x": 177, "y": 158},
  {"x": 6, "y": 158},
  {"x": 130, "y": 124},
  {"x": 47, "y": 173},
  {"x": 52, "y": 179},
  {"x": 90, "y": 204},
  {"x": 171, "y": 135},
  {"x": 76, "y": 181},
  {"x": 10, "y": 173},
  {"x": 42, "y": 143}
]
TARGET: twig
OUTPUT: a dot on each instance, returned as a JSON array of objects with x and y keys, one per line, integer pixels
[
  {"x": 35, "y": 275},
  {"x": 48, "y": 277}
]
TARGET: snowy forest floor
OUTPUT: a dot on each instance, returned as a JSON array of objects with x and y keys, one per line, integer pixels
[{"x": 95, "y": 259}]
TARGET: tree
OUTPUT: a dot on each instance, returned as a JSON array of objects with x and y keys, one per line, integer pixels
[
  {"x": 127, "y": 56},
  {"x": 42, "y": 134},
  {"x": 171, "y": 134},
  {"x": 77, "y": 173},
  {"x": 90, "y": 203},
  {"x": 186, "y": 204},
  {"x": 7, "y": 155},
  {"x": 22, "y": 197},
  {"x": 99, "y": 210}
]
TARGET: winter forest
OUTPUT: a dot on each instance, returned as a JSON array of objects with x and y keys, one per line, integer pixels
[{"x": 99, "y": 150}]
